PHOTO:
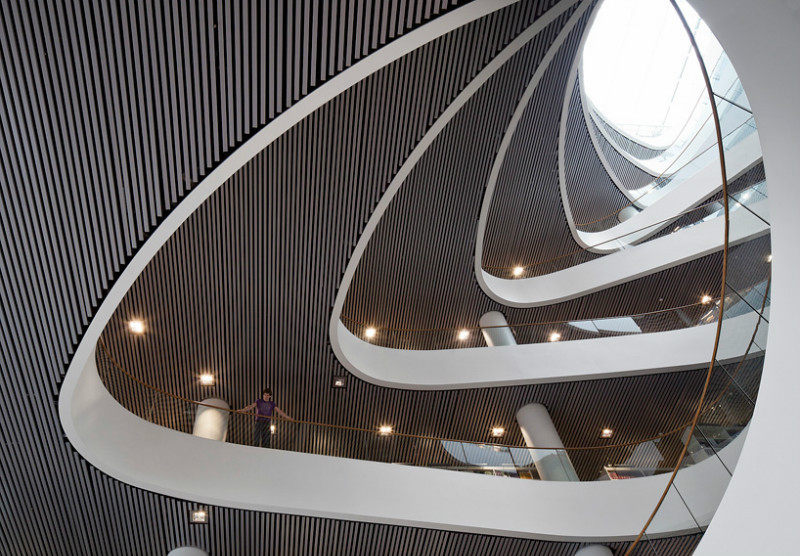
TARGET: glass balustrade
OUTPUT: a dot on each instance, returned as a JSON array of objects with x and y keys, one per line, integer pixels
[
  {"x": 699, "y": 313},
  {"x": 734, "y": 375}
]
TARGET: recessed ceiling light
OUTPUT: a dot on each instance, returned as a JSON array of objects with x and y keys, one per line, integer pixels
[
  {"x": 463, "y": 334},
  {"x": 136, "y": 326},
  {"x": 339, "y": 382},
  {"x": 385, "y": 430},
  {"x": 518, "y": 270},
  {"x": 497, "y": 432},
  {"x": 207, "y": 379},
  {"x": 769, "y": 258},
  {"x": 370, "y": 332},
  {"x": 198, "y": 516},
  {"x": 706, "y": 299},
  {"x": 554, "y": 337},
  {"x": 606, "y": 433}
]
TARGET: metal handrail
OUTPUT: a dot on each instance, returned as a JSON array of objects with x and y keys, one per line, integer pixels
[{"x": 723, "y": 171}]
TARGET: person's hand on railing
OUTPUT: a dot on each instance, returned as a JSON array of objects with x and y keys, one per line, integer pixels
[{"x": 283, "y": 415}]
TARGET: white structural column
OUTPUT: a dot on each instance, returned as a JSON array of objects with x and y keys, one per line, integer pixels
[
  {"x": 626, "y": 214},
  {"x": 594, "y": 550},
  {"x": 538, "y": 430},
  {"x": 187, "y": 551},
  {"x": 210, "y": 422},
  {"x": 495, "y": 329}
]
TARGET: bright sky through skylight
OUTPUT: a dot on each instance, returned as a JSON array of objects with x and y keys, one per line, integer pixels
[{"x": 639, "y": 70}]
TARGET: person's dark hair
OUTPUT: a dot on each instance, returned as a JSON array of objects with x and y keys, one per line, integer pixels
[{"x": 266, "y": 391}]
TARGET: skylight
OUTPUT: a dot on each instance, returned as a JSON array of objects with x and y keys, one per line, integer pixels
[{"x": 639, "y": 71}]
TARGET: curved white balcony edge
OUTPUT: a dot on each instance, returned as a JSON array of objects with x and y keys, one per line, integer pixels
[
  {"x": 674, "y": 350},
  {"x": 231, "y": 475},
  {"x": 666, "y": 203},
  {"x": 628, "y": 264}
]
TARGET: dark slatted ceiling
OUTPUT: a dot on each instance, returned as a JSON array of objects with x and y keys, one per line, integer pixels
[
  {"x": 628, "y": 175},
  {"x": 422, "y": 276},
  {"x": 110, "y": 113},
  {"x": 591, "y": 193},
  {"x": 631, "y": 147},
  {"x": 526, "y": 221},
  {"x": 234, "y": 317}
]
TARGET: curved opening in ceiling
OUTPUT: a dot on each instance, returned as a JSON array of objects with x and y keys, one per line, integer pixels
[{"x": 639, "y": 70}]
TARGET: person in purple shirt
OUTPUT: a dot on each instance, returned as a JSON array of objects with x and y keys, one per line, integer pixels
[{"x": 265, "y": 407}]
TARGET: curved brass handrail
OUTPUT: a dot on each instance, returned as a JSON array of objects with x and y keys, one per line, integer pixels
[{"x": 724, "y": 174}]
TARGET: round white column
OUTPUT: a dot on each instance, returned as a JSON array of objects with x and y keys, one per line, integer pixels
[
  {"x": 538, "y": 430},
  {"x": 501, "y": 336},
  {"x": 627, "y": 213},
  {"x": 594, "y": 550},
  {"x": 187, "y": 551},
  {"x": 210, "y": 422}
]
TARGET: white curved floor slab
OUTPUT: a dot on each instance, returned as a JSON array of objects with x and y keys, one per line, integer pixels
[
  {"x": 668, "y": 202},
  {"x": 635, "y": 354},
  {"x": 231, "y": 475},
  {"x": 628, "y": 264}
]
